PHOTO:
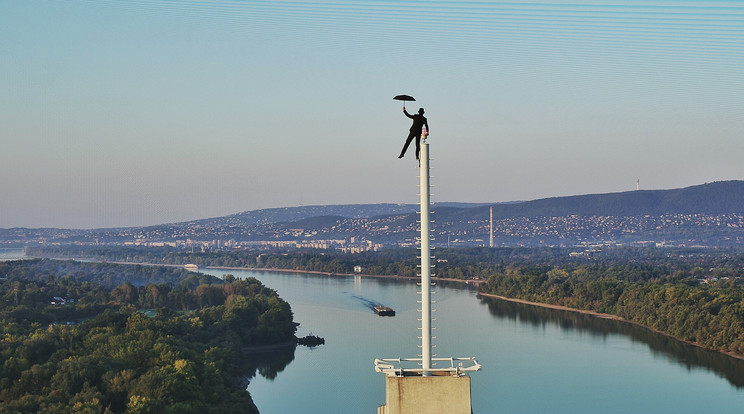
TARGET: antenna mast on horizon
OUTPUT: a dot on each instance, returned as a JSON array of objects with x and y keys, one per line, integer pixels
[{"x": 491, "y": 228}]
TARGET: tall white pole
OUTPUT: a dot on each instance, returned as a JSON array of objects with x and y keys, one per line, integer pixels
[
  {"x": 491, "y": 228},
  {"x": 425, "y": 260}
]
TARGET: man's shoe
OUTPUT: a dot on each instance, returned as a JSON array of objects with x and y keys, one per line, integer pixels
[{"x": 400, "y": 156}]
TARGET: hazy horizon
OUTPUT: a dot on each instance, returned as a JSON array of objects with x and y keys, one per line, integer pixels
[
  {"x": 121, "y": 113},
  {"x": 434, "y": 204}
]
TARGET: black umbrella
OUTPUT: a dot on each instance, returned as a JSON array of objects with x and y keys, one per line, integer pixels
[{"x": 404, "y": 98}]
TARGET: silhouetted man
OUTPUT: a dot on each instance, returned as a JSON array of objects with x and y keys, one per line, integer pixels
[{"x": 419, "y": 122}]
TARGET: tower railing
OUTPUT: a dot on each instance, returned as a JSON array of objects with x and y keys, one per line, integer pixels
[{"x": 411, "y": 366}]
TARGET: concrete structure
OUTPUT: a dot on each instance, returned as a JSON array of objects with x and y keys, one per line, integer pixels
[
  {"x": 418, "y": 385},
  {"x": 430, "y": 395}
]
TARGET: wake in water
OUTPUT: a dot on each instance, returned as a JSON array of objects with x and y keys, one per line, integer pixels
[{"x": 366, "y": 302}]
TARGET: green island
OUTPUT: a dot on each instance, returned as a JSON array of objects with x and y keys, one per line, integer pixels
[
  {"x": 105, "y": 338},
  {"x": 692, "y": 294}
]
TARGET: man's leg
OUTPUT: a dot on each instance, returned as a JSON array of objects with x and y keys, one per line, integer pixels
[
  {"x": 418, "y": 145},
  {"x": 405, "y": 147}
]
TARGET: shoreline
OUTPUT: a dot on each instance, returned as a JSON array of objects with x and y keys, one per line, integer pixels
[
  {"x": 255, "y": 349},
  {"x": 606, "y": 316},
  {"x": 469, "y": 282}
]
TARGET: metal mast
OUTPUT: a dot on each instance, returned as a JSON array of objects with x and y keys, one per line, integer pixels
[
  {"x": 425, "y": 259},
  {"x": 491, "y": 228}
]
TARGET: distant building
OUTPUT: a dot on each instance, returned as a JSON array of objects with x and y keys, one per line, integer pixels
[{"x": 59, "y": 301}]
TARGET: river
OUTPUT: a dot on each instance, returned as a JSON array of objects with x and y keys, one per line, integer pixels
[
  {"x": 11, "y": 254},
  {"x": 534, "y": 359}
]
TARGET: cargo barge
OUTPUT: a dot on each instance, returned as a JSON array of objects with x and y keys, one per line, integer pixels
[{"x": 384, "y": 311}]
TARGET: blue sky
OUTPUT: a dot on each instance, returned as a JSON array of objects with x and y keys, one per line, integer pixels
[{"x": 121, "y": 113}]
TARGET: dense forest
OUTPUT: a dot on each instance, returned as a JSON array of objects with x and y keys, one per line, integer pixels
[
  {"x": 708, "y": 314},
  {"x": 74, "y": 345},
  {"x": 400, "y": 262},
  {"x": 105, "y": 274}
]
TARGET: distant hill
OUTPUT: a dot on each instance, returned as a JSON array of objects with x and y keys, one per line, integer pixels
[
  {"x": 292, "y": 214},
  {"x": 721, "y": 197},
  {"x": 710, "y": 214}
]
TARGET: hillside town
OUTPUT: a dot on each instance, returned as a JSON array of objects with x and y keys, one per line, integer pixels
[{"x": 355, "y": 235}]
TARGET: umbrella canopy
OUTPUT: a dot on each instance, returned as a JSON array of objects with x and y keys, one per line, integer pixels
[{"x": 404, "y": 98}]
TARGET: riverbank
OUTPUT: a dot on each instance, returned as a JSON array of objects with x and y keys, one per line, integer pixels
[
  {"x": 606, "y": 316},
  {"x": 470, "y": 282}
]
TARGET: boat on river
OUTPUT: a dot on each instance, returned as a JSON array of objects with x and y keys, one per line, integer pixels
[{"x": 384, "y": 310}]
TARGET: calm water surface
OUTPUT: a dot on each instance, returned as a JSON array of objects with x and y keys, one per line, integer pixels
[{"x": 534, "y": 360}]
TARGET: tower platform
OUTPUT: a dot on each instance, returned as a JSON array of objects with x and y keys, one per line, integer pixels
[{"x": 411, "y": 390}]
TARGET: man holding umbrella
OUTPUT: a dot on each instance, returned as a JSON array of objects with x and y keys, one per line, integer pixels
[{"x": 419, "y": 122}]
